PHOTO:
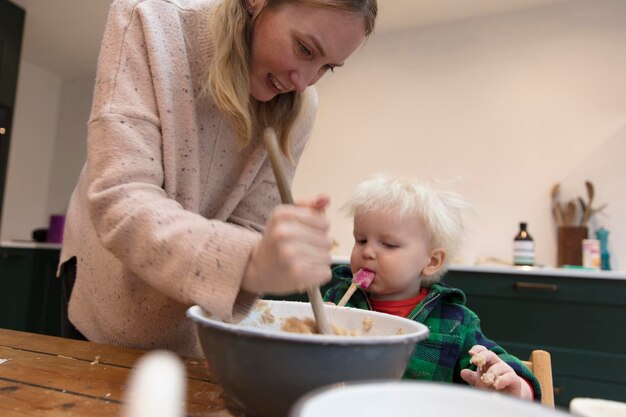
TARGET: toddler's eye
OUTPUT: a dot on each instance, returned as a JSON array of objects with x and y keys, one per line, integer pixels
[
  {"x": 360, "y": 241},
  {"x": 389, "y": 245}
]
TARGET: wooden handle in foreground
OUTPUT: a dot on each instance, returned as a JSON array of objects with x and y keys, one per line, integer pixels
[{"x": 315, "y": 297}]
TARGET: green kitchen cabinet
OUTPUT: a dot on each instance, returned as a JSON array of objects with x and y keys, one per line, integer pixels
[
  {"x": 11, "y": 30},
  {"x": 577, "y": 316},
  {"x": 16, "y": 271},
  {"x": 30, "y": 293}
]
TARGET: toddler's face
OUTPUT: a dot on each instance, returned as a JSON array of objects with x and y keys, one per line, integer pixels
[{"x": 395, "y": 248}]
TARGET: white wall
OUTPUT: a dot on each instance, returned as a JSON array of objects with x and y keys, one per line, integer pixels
[
  {"x": 48, "y": 149},
  {"x": 71, "y": 142},
  {"x": 509, "y": 104},
  {"x": 32, "y": 144}
]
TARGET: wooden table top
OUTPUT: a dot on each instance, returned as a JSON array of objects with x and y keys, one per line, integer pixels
[{"x": 52, "y": 376}]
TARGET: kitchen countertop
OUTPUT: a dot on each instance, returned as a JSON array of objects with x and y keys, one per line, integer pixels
[
  {"x": 525, "y": 270},
  {"x": 541, "y": 270},
  {"x": 493, "y": 269},
  {"x": 52, "y": 376},
  {"x": 27, "y": 244}
]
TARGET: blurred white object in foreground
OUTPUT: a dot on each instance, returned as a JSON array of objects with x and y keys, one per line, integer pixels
[
  {"x": 414, "y": 399},
  {"x": 156, "y": 387},
  {"x": 596, "y": 407}
]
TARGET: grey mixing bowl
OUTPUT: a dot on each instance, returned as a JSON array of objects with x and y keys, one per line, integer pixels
[{"x": 265, "y": 370}]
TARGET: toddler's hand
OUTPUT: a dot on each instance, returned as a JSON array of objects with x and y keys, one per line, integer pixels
[{"x": 494, "y": 374}]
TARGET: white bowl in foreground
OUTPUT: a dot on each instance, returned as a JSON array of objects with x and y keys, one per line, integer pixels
[
  {"x": 414, "y": 399},
  {"x": 596, "y": 407}
]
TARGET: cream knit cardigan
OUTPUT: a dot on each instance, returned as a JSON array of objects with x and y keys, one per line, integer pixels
[{"x": 167, "y": 209}]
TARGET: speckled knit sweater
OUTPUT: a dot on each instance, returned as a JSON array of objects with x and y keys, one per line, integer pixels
[{"x": 167, "y": 209}]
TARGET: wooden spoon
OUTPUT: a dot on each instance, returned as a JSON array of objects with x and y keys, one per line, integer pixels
[{"x": 315, "y": 297}]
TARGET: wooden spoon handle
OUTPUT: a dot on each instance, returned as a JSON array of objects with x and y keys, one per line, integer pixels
[
  {"x": 315, "y": 297},
  {"x": 271, "y": 144}
]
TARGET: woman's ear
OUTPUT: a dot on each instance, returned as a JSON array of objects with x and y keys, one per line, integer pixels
[{"x": 437, "y": 259}]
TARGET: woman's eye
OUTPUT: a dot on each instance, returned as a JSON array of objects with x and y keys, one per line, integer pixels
[
  {"x": 329, "y": 67},
  {"x": 303, "y": 49}
]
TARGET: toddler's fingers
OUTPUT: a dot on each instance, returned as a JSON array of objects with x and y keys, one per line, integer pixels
[
  {"x": 480, "y": 356},
  {"x": 487, "y": 358},
  {"x": 477, "y": 349},
  {"x": 488, "y": 378},
  {"x": 479, "y": 361},
  {"x": 470, "y": 376},
  {"x": 493, "y": 373},
  {"x": 506, "y": 380}
]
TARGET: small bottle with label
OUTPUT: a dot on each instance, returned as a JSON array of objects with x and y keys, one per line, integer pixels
[{"x": 523, "y": 247}]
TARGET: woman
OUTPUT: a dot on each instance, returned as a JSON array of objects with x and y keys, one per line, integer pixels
[{"x": 177, "y": 204}]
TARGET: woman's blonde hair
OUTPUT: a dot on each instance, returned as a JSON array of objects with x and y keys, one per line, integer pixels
[
  {"x": 439, "y": 210},
  {"x": 228, "y": 77}
]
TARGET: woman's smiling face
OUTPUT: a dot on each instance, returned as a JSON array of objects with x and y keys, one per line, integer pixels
[{"x": 294, "y": 45}]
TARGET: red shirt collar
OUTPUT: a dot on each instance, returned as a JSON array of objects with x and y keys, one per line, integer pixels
[{"x": 400, "y": 308}]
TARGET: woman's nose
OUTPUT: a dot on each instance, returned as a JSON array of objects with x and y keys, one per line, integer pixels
[
  {"x": 304, "y": 76},
  {"x": 299, "y": 81}
]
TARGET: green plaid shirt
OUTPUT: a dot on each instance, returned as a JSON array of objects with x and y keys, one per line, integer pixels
[{"x": 454, "y": 329}]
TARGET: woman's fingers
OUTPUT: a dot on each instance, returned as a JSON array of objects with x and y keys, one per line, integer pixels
[
  {"x": 305, "y": 215},
  {"x": 318, "y": 203},
  {"x": 302, "y": 225},
  {"x": 294, "y": 252}
]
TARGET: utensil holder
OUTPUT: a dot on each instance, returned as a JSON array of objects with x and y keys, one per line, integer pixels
[{"x": 570, "y": 240}]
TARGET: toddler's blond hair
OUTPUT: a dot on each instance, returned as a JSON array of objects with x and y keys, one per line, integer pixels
[{"x": 439, "y": 209}]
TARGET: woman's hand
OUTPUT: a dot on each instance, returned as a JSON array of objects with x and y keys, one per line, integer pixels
[
  {"x": 494, "y": 374},
  {"x": 294, "y": 252}
]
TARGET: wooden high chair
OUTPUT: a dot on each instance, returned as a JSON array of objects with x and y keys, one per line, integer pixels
[{"x": 540, "y": 365}]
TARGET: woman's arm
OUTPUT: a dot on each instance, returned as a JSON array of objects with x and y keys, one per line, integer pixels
[{"x": 143, "y": 195}]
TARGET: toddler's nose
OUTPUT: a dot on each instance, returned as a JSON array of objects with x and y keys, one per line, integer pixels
[{"x": 369, "y": 252}]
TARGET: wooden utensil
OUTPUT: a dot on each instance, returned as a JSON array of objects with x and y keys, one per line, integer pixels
[
  {"x": 315, "y": 297},
  {"x": 571, "y": 212},
  {"x": 588, "y": 210},
  {"x": 557, "y": 211}
]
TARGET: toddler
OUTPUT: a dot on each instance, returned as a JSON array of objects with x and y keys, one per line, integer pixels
[{"x": 405, "y": 232}]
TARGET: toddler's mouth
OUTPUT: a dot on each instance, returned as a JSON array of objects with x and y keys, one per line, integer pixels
[{"x": 364, "y": 277}]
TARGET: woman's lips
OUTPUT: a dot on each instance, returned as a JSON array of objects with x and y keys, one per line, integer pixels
[{"x": 274, "y": 85}]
